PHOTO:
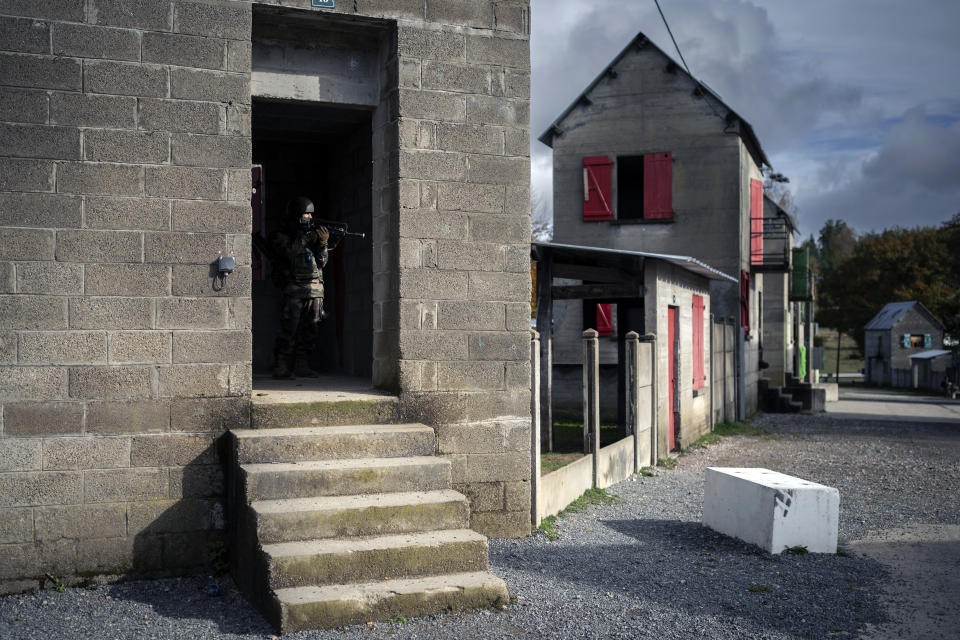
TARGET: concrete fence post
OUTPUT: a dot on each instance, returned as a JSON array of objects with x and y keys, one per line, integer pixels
[
  {"x": 535, "y": 428},
  {"x": 591, "y": 398},
  {"x": 632, "y": 340},
  {"x": 654, "y": 414}
]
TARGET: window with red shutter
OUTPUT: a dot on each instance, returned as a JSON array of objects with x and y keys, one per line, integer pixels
[
  {"x": 756, "y": 222},
  {"x": 745, "y": 301},
  {"x": 597, "y": 200},
  {"x": 699, "y": 378},
  {"x": 605, "y": 319},
  {"x": 658, "y": 185}
]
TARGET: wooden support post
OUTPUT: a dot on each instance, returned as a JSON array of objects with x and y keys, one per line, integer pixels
[
  {"x": 534, "y": 428},
  {"x": 545, "y": 328},
  {"x": 632, "y": 393},
  {"x": 591, "y": 398}
]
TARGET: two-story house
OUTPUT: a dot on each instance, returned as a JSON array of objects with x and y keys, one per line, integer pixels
[
  {"x": 894, "y": 338},
  {"x": 648, "y": 158}
]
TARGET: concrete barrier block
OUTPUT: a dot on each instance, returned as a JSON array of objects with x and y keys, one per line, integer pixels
[{"x": 771, "y": 510}]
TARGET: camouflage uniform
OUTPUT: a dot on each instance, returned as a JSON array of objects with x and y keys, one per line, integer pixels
[{"x": 300, "y": 276}]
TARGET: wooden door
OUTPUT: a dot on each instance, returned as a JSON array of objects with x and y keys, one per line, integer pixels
[{"x": 673, "y": 378}]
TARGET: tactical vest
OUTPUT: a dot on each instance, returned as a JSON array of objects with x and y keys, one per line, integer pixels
[{"x": 305, "y": 268}]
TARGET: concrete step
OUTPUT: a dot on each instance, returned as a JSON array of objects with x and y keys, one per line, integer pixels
[
  {"x": 370, "y": 410},
  {"x": 315, "y": 478},
  {"x": 349, "y": 560},
  {"x": 320, "y": 443},
  {"x": 372, "y": 515},
  {"x": 328, "y": 607}
]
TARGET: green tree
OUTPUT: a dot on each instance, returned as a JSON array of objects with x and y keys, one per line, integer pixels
[
  {"x": 837, "y": 241},
  {"x": 891, "y": 266}
]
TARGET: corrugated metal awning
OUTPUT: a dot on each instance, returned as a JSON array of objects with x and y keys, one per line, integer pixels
[
  {"x": 602, "y": 255},
  {"x": 929, "y": 355}
]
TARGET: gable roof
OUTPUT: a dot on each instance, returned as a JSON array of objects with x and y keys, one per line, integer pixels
[
  {"x": 781, "y": 212},
  {"x": 639, "y": 42},
  {"x": 893, "y": 312}
]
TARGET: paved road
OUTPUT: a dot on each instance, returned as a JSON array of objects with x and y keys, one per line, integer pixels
[
  {"x": 923, "y": 559},
  {"x": 869, "y": 404}
]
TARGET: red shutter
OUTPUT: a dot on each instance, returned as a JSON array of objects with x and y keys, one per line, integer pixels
[
  {"x": 604, "y": 320},
  {"x": 658, "y": 185},
  {"x": 745, "y": 300},
  {"x": 597, "y": 201},
  {"x": 698, "y": 375},
  {"x": 756, "y": 222}
]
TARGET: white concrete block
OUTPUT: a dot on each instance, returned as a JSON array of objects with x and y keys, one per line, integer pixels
[{"x": 771, "y": 510}]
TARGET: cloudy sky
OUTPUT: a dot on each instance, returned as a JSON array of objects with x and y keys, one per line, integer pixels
[{"x": 856, "y": 101}]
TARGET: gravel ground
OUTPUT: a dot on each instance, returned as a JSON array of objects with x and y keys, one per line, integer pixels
[{"x": 642, "y": 567}]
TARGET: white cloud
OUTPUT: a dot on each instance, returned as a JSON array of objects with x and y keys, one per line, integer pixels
[{"x": 824, "y": 84}]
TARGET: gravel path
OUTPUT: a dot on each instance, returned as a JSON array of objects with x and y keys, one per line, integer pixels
[{"x": 640, "y": 568}]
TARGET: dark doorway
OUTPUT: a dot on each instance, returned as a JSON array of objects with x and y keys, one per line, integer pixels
[{"x": 325, "y": 154}]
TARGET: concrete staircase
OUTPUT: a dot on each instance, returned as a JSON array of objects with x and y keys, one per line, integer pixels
[
  {"x": 778, "y": 399},
  {"x": 795, "y": 397},
  {"x": 338, "y": 525}
]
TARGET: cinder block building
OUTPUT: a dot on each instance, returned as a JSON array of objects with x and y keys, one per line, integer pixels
[
  {"x": 128, "y": 133},
  {"x": 648, "y": 158},
  {"x": 903, "y": 347}
]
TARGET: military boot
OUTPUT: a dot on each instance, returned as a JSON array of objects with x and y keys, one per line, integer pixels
[
  {"x": 281, "y": 370},
  {"x": 303, "y": 370}
]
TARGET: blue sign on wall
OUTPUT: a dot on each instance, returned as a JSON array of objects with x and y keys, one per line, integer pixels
[{"x": 323, "y": 4}]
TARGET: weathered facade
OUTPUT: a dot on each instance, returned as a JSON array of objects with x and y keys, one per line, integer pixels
[
  {"x": 127, "y": 135},
  {"x": 899, "y": 331},
  {"x": 650, "y": 159}
]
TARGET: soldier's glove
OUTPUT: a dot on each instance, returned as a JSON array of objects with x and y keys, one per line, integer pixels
[{"x": 322, "y": 235}]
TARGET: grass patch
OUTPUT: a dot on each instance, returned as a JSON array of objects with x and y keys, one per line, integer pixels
[
  {"x": 647, "y": 472},
  {"x": 553, "y": 461},
  {"x": 58, "y": 586},
  {"x": 568, "y": 435},
  {"x": 758, "y": 588},
  {"x": 548, "y": 526},
  {"x": 733, "y": 428},
  {"x": 702, "y": 442},
  {"x": 667, "y": 463},
  {"x": 797, "y": 550},
  {"x": 851, "y": 360}
]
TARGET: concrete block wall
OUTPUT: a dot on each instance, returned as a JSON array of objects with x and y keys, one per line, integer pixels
[
  {"x": 124, "y": 172},
  {"x": 463, "y": 285}
]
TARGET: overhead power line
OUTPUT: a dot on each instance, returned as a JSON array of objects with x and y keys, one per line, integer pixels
[{"x": 675, "y": 46}]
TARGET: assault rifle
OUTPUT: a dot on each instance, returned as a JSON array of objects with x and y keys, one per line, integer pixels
[{"x": 334, "y": 228}]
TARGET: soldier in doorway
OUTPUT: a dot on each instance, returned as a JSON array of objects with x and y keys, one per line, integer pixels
[{"x": 301, "y": 252}]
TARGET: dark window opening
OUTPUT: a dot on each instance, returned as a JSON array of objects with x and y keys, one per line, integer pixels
[{"x": 630, "y": 187}]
